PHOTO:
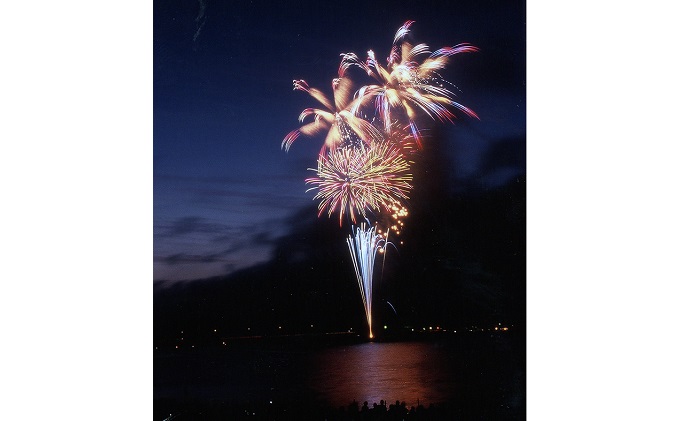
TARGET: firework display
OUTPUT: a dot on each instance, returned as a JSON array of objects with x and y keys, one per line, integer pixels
[
  {"x": 363, "y": 245},
  {"x": 358, "y": 179},
  {"x": 406, "y": 85},
  {"x": 338, "y": 122},
  {"x": 371, "y": 139}
]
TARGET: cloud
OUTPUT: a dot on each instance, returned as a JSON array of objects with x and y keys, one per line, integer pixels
[
  {"x": 192, "y": 224},
  {"x": 504, "y": 159},
  {"x": 181, "y": 258},
  {"x": 194, "y": 243},
  {"x": 264, "y": 192}
]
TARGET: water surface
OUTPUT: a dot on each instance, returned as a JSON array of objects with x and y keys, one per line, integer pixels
[
  {"x": 409, "y": 371},
  {"x": 476, "y": 375}
]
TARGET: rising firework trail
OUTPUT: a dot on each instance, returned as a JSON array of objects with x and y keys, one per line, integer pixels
[
  {"x": 363, "y": 246},
  {"x": 372, "y": 140}
]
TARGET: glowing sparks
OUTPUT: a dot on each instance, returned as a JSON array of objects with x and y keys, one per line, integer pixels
[
  {"x": 336, "y": 121},
  {"x": 403, "y": 139},
  {"x": 371, "y": 140},
  {"x": 406, "y": 85},
  {"x": 363, "y": 245},
  {"x": 354, "y": 180}
]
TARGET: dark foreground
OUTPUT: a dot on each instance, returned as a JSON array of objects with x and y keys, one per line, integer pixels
[
  {"x": 277, "y": 379},
  {"x": 353, "y": 411}
]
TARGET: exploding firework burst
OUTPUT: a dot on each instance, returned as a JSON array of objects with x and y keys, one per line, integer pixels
[
  {"x": 354, "y": 180},
  {"x": 406, "y": 85},
  {"x": 363, "y": 245},
  {"x": 402, "y": 138},
  {"x": 339, "y": 124},
  {"x": 371, "y": 142}
]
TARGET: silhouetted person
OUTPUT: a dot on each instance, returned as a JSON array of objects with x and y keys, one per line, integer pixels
[
  {"x": 353, "y": 409},
  {"x": 402, "y": 409},
  {"x": 382, "y": 409}
]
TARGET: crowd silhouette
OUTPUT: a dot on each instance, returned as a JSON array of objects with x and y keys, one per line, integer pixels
[{"x": 354, "y": 411}]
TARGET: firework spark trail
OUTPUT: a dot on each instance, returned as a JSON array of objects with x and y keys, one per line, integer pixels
[
  {"x": 356, "y": 179},
  {"x": 371, "y": 140},
  {"x": 363, "y": 245},
  {"x": 402, "y": 137},
  {"x": 335, "y": 120},
  {"x": 406, "y": 84}
]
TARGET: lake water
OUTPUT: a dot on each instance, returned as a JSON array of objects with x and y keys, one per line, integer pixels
[
  {"x": 411, "y": 372},
  {"x": 480, "y": 375}
]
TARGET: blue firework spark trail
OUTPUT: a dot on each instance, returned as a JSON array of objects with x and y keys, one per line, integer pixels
[{"x": 363, "y": 245}]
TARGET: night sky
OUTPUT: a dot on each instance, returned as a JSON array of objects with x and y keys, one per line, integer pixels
[
  {"x": 142, "y": 141},
  {"x": 224, "y": 191}
]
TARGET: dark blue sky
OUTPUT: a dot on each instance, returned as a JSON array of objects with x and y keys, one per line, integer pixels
[
  {"x": 76, "y": 153},
  {"x": 223, "y": 101}
]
